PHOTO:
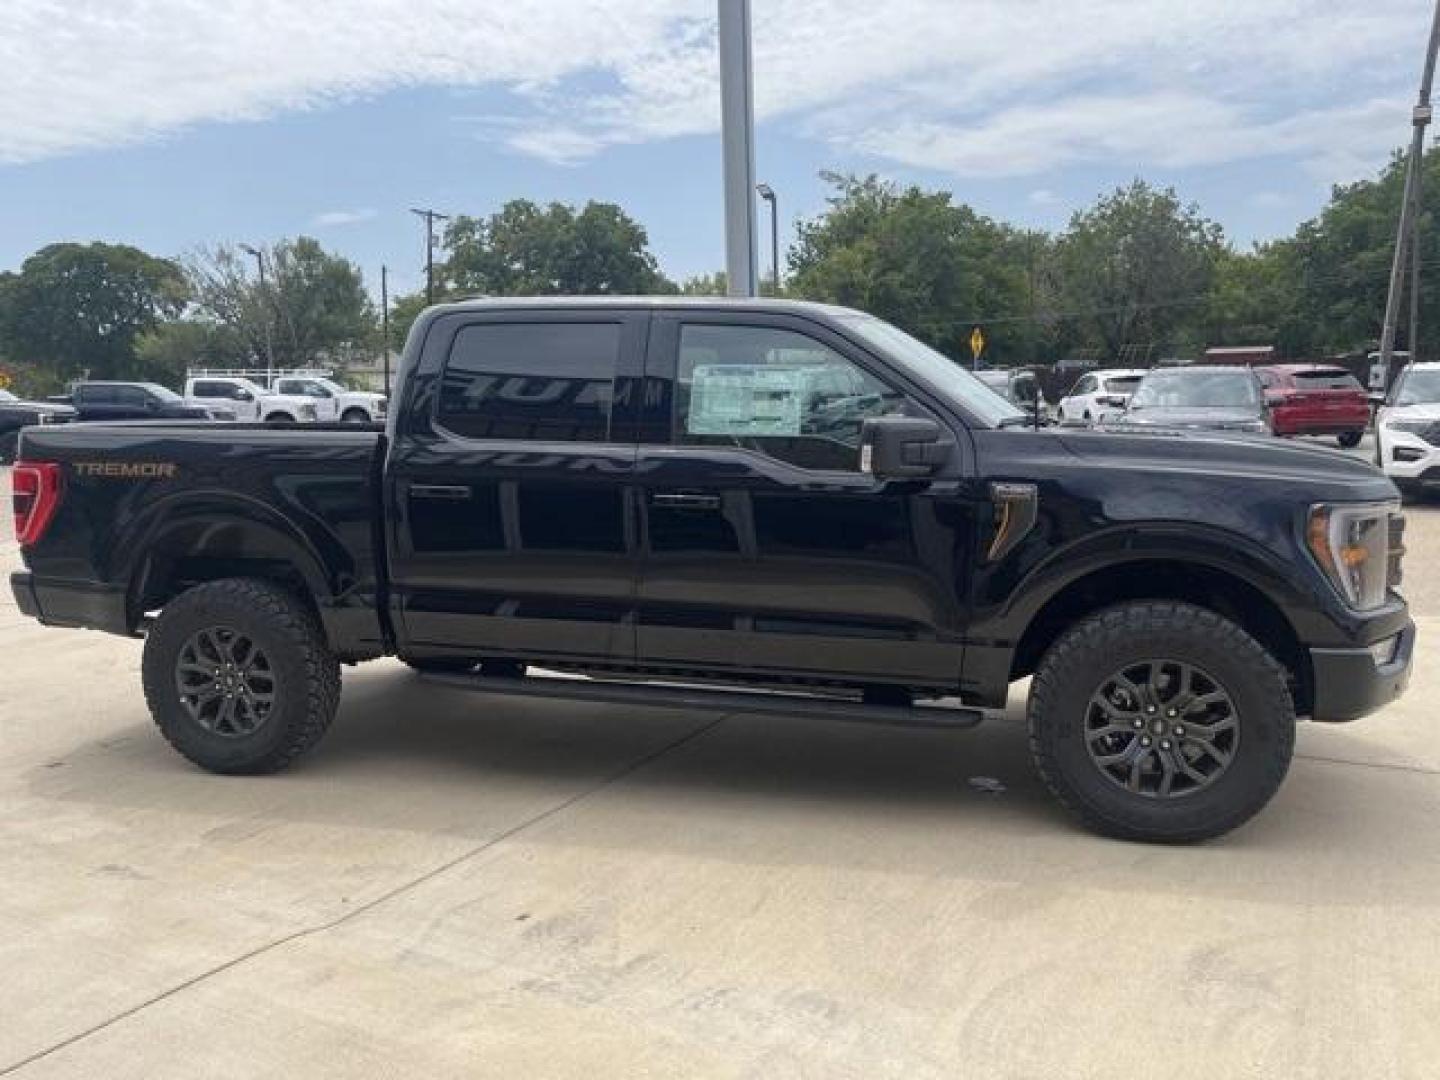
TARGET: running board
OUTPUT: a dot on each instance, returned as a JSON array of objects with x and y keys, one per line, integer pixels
[{"x": 682, "y": 696}]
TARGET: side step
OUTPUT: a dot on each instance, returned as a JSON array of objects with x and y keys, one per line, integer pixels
[{"x": 683, "y": 696}]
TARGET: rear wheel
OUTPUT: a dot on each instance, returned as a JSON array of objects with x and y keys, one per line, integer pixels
[
  {"x": 1161, "y": 721},
  {"x": 238, "y": 676},
  {"x": 1350, "y": 439},
  {"x": 279, "y": 418}
]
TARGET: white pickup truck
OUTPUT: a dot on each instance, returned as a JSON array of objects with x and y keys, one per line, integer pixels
[
  {"x": 248, "y": 400},
  {"x": 332, "y": 401}
]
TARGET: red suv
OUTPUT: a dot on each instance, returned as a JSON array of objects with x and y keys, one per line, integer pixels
[{"x": 1315, "y": 399}]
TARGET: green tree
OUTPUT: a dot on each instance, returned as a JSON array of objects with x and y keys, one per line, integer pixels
[
  {"x": 79, "y": 308},
  {"x": 529, "y": 250},
  {"x": 715, "y": 284},
  {"x": 1137, "y": 267},
  {"x": 312, "y": 307},
  {"x": 1256, "y": 299},
  {"x": 913, "y": 257}
]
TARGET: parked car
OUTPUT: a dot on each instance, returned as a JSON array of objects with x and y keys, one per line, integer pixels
[
  {"x": 1316, "y": 399},
  {"x": 1020, "y": 388},
  {"x": 135, "y": 401},
  {"x": 1216, "y": 398},
  {"x": 246, "y": 400},
  {"x": 332, "y": 401},
  {"x": 1099, "y": 396},
  {"x": 636, "y": 490},
  {"x": 1407, "y": 430},
  {"x": 16, "y": 414}
]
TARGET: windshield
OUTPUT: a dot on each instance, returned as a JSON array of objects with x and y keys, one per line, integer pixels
[
  {"x": 935, "y": 368},
  {"x": 1418, "y": 387},
  {"x": 1122, "y": 384},
  {"x": 6, "y": 395},
  {"x": 1196, "y": 390},
  {"x": 164, "y": 393}
]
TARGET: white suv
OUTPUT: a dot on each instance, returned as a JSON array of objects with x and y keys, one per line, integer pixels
[
  {"x": 1407, "y": 429},
  {"x": 1099, "y": 395},
  {"x": 332, "y": 401},
  {"x": 247, "y": 400}
]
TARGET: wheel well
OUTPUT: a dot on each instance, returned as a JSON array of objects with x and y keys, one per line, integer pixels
[
  {"x": 195, "y": 553},
  {"x": 1203, "y": 586}
]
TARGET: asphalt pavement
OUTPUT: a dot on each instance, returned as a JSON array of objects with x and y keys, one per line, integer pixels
[{"x": 451, "y": 887}]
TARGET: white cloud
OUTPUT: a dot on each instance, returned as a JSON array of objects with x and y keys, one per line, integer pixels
[
  {"x": 1044, "y": 197},
  {"x": 331, "y": 218},
  {"x": 972, "y": 87}
]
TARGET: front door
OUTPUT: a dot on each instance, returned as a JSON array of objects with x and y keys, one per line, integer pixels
[
  {"x": 766, "y": 549},
  {"x": 511, "y": 513}
]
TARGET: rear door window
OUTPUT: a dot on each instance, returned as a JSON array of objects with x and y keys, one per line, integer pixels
[
  {"x": 1327, "y": 379},
  {"x": 532, "y": 381}
]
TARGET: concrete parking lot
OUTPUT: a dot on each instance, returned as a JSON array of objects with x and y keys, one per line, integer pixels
[{"x": 454, "y": 888}]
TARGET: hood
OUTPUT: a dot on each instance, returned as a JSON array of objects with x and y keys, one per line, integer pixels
[
  {"x": 1252, "y": 458},
  {"x": 49, "y": 408},
  {"x": 1190, "y": 418},
  {"x": 1428, "y": 410}
]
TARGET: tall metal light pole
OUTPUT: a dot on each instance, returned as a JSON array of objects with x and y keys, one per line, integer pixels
[
  {"x": 430, "y": 217},
  {"x": 385, "y": 323},
  {"x": 737, "y": 132},
  {"x": 1410, "y": 202},
  {"x": 768, "y": 194},
  {"x": 264, "y": 292}
]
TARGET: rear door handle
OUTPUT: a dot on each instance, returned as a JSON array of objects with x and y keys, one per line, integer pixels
[
  {"x": 440, "y": 491},
  {"x": 685, "y": 501}
]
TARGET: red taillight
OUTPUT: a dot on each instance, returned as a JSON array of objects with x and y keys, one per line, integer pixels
[{"x": 36, "y": 491}]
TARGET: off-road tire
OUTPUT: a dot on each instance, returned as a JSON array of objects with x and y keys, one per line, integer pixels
[
  {"x": 306, "y": 674},
  {"x": 1076, "y": 666},
  {"x": 1350, "y": 439}
]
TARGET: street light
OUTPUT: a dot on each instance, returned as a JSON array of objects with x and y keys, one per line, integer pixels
[
  {"x": 768, "y": 194},
  {"x": 259, "y": 257}
]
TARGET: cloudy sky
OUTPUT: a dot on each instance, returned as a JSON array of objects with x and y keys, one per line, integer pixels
[{"x": 171, "y": 123}]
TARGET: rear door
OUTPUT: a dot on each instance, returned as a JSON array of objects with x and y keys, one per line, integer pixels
[
  {"x": 508, "y": 484},
  {"x": 766, "y": 548}
]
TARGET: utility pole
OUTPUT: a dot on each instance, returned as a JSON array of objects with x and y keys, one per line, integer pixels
[
  {"x": 737, "y": 134},
  {"x": 385, "y": 323},
  {"x": 264, "y": 292},
  {"x": 430, "y": 217},
  {"x": 768, "y": 194},
  {"x": 1410, "y": 209}
]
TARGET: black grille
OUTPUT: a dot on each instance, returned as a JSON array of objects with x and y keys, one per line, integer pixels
[{"x": 1397, "y": 550}]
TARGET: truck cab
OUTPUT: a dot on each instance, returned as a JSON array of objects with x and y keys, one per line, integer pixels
[
  {"x": 248, "y": 400},
  {"x": 331, "y": 400}
]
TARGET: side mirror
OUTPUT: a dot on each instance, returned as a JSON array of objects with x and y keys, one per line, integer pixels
[{"x": 892, "y": 447}]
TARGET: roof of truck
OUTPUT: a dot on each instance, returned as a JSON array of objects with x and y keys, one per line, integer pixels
[{"x": 722, "y": 303}]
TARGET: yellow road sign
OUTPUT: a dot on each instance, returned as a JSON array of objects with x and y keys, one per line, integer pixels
[{"x": 977, "y": 342}]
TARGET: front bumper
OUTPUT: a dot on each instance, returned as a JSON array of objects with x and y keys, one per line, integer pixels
[
  {"x": 1349, "y": 683},
  {"x": 69, "y": 603}
]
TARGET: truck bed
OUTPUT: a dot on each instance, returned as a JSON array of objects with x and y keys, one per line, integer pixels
[{"x": 146, "y": 505}]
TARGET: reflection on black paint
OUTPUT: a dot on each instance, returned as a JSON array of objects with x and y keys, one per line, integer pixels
[
  {"x": 571, "y": 517},
  {"x": 473, "y": 524}
]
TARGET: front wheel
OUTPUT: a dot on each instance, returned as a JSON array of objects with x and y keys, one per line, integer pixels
[
  {"x": 1161, "y": 721},
  {"x": 238, "y": 676},
  {"x": 279, "y": 418},
  {"x": 1350, "y": 439},
  {"x": 355, "y": 416}
]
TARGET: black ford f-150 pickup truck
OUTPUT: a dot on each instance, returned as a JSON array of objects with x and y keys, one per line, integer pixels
[{"x": 753, "y": 506}]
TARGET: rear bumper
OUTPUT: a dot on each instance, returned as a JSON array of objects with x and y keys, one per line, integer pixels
[
  {"x": 1349, "y": 683},
  {"x": 1318, "y": 424},
  {"x": 69, "y": 603}
]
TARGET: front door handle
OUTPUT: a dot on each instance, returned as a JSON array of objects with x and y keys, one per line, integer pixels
[
  {"x": 440, "y": 491},
  {"x": 685, "y": 501}
]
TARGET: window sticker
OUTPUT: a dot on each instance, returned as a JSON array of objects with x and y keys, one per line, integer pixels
[{"x": 746, "y": 400}]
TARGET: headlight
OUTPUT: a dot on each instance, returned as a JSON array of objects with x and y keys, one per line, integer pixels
[{"x": 1351, "y": 542}]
